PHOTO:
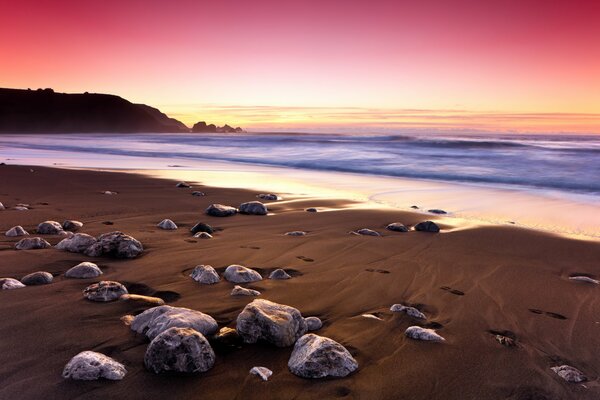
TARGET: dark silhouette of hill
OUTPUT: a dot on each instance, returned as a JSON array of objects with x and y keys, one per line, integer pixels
[{"x": 45, "y": 111}]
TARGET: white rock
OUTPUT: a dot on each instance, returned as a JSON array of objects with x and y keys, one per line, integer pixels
[
  {"x": 264, "y": 373},
  {"x": 10, "y": 283},
  {"x": 21, "y": 208},
  {"x": 108, "y": 192},
  {"x": 203, "y": 235},
  {"x": 240, "y": 291},
  {"x": 89, "y": 365},
  {"x": 32, "y": 244},
  {"x": 569, "y": 374},
  {"x": 411, "y": 311},
  {"x": 2, "y": 206},
  {"x": 84, "y": 270},
  {"x": 319, "y": 357},
  {"x": 167, "y": 224},
  {"x": 16, "y": 231},
  {"x": 240, "y": 274},
  {"x": 158, "y": 319},
  {"x": 205, "y": 274},
  {"x": 78, "y": 243},
  {"x": 295, "y": 233},
  {"x": 418, "y": 333},
  {"x": 583, "y": 278}
]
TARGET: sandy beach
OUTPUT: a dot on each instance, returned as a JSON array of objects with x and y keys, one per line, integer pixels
[{"x": 472, "y": 284}]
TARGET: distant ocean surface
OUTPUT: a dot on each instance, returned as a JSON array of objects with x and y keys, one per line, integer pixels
[{"x": 568, "y": 163}]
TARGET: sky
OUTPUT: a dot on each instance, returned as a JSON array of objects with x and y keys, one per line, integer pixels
[{"x": 510, "y": 65}]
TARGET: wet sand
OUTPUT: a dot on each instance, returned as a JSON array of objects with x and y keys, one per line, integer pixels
[{"x": 468, "y": 282}]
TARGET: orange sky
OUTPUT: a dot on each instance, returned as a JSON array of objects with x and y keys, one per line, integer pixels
[{"x": 528, "y": 65}]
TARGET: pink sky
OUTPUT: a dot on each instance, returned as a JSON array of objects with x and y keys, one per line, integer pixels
[{"x": 528, "y": 65}]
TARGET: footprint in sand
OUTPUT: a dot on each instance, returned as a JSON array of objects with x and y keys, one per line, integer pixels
[
  {"x": 453, "y": 291},
  {"x": 305, "y": 259},
  {"x": 379, "y": 271}
]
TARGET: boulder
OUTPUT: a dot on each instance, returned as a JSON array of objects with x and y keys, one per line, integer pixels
[
  {"x": 49, "y": 228},
  {"x": 366, "y": 232},
  {"x": 32, "y": 244},
  {"x": 319, "y": 357},
  {"x": 262, "y": 372},
  {"x": 569, "y": 374},
  {"x": 71, "y": 225},
  {"x": 313, "y": 323},
  {"x": 116, "y": 244},
  {"x": 410, "y": 311},
  {"x": 16, "y": 231},
  {"x": 295, "y": 233},
  {"x": 203, "y": 235},
  {"x": 427, "y": 226},
  {"x": 10, "y": 283},
  {"x": 158, "y": 319},
  {"x": 279, "y": 274},
  {"x": 253, "y": 208},
  {"x": 89, "y": 366},
  {"x": 183, "y": 185},
  {"x": 397, "y": 227},
  {"x": 277, "y": 324},
  {"x": 268, "y": 196},
  {"x": 104, "y": 291},
  {"x": 205, "y": 274},
  {"x": 167, "y": 224},
  {"x": 240, "y": 291},
  {"x": 138, "y": 298},
  {"x": 201, "y": 227},
  {"x": 37, "y": 278},
  {"x": 78, "y": 243},
  {"x": 181, "y": 350},
  {"x": 220, "y": 210},
  {"x": 240, "y": 274},
  {"x": 84, "y": 270},
  {"x": 419, "y": 333}
]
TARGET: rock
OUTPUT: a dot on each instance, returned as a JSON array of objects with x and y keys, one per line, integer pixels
[
  {"x": 183, "y": 185},
  {"x": 84, "y": 270},
  {"x": 253, "y": 208},
  {"x": 21, "y": 208},
  {"x": 240, "y": 291},
  {"x": 227, "y": 338},
  {"x": 16, "y": 231},
  {"x": 104, "y": 291},
  {"x": 240, "y": 274},
  {"x": 71, "y": 225},
  {"x": 279, "y": 274},
  {"x": 277, "y": 324},
  {"x": 32, "y": 244},
  {"x": 181, "y": 350},
  {"x": 366, "y": 232},
  {"x": 201, "y": 227},
  {"x": 313, "y": 323},
  {"x": 569, "y": 374},
  {"x": 203, "y": 235},
  {"x": 371, "y": 316},
  {"x": 78, "y": 243},
  {"x": 397, "y": 227},
  {"x": 427, "y": 226},
  {"x": 418, "y": 333},
  {"x": 116, "y": 244},
  {"x": 262, "y": 372},
  {"x": 437, "y": 211},
  {"x": 219, "y": 210},
  {"x": 167, "y": 224},
  {"x": 268, "y": 196},
  {"x": 414, "y": 207},
  {"x": 319, "y": 357},
  {"x": 10, "y": 283},
  {"x": 580, "y": 278},
  {"x": 205, "y": 274},
  {"x": 410, "y": 311},
  {"x": 108, "y": 192},
  {"x": 158, "y": 319},
  {"x": 505, "y": 341},
  {"x": 311, "y": 209},
  {"x": 66, "y": 233},
  {"x": 138, "y": 298},
  {"x": 37, "y": 278},
  {"x": 89, "y": 366},
  {"x": 196, "y": 193},
  {"x": 296, "y": 233},
  {"x": 2, "y": 206},
  {"x": 49, "y": 228}
]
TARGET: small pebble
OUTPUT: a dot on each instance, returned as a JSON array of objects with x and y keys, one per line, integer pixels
[{"x": 263, "y": 372}]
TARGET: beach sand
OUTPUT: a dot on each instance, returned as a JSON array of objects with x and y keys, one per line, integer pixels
[{"x": 493, "y": 277}]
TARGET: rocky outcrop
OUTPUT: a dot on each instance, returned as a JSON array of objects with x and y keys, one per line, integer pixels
[
  {"x": 115, "y": 244},
  {"x": 104, "y": 291},
  {"x": 78, "y": 243},
  {"x": 32, "y": 244},
  {"x": 202, "y": 127},
  {"x": 240, "y": 274},
  {"x": 205, "y": 274},
  {"x": 37, "y": 278},
  {"x": 220, "y": 210},
  {"x": 253, "y": 208},
  {"x": 158, "y": 319},
  {"x": 319, "y": 357},
  {"x": 84, "y": 270},
  {"x": 89, "y": 366}
]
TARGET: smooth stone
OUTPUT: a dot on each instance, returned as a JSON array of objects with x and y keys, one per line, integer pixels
[
  {"x": 583, "y": 278},
  {"x": 319, "y": 357},
  {"x": 49, "y": 228},
  {"x": 201, "y": 227},
  {"x": 311, "y": 209},
  {"x": 418, "y": 333},
  {"x": 196, "y": 193},
  {"x": 220, "y": 210},
  {"x": 203, "y": 235},
  {"x": 37, "y": 278},
  {"x": 277, "y": 324},
  {"x": 279, "y": 274},
  {"x": 253, "y": 208},
  {"x": 569, "y": 374},
  {"x": 89, "y": 366},
  {"x": 371, "y": 316},
  {"x": 10, "y": 283},
  {"x": 32, "y": 244},
  {"x": 78, "y": 243},
  {"x": 313, "y": 323},
  {"x": 427, "y": 226},
  {"x": 16, "y": 231},
  {"x": 108, "y": 192},
  {"x": 116, "y": 244},
  {"x": 397, "y": 227},
  {"x": 437, "y": 211},
  {"x": 158, "y": 319},
  {"x": 205, "y": 274},
  {"x": 410, "y": 311},
  {"x": 138, "y": 298},
  {"x": 240, "y": 274},
  {"x": 183, "y": 185},
  {"x": 104, "y": 291},
  {"x": 366, "y": 232},
  {"x": 240, "y": 291},
  {"x": 167, "y": 224},
  {"x": 295, "y": 233},
  {"x": 71, "y": 225},
  {"x": 268, "y": 196},
  {"x": 84, "y": 270},
  {"x": 262, "y": 372},
  {"x": 21, "y": 208},
  {"x": 182, "y": 350}
]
